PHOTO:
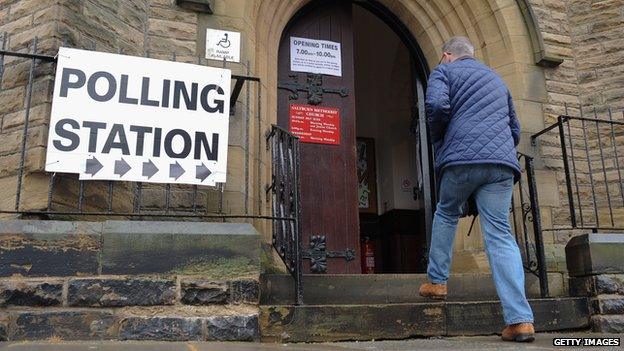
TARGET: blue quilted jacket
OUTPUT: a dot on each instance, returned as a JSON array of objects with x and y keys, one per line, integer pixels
[{"x": 471, "y": 116}]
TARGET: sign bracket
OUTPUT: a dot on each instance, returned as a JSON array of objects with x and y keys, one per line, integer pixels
[{"x": 238, "y": 86}]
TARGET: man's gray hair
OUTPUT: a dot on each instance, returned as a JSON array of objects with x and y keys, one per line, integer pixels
[{"x": 459, "y": 46}]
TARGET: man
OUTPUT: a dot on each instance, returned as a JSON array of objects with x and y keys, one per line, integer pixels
[{"x": 475, "y": 131}]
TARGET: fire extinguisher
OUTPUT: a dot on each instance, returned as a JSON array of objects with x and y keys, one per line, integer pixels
[{"x": 368, "y": 257}]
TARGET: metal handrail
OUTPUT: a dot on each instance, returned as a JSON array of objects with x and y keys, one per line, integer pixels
[{"x": 576, "y": 152}]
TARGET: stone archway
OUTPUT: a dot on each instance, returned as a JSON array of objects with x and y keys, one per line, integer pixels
[{"x": 496, "y": 27}]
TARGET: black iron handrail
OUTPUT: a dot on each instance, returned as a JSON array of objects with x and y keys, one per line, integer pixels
[
  {"x": 285, "y": 190},
  {"x": 531, "y": 246},
  {"x": 587, "y": 210}
]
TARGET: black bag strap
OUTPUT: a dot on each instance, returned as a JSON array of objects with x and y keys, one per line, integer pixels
[{"x": 474, "y": 218}]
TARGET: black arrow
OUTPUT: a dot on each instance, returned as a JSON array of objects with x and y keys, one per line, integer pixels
[
  {"x": 175, "y": 170},
  {"x": 202, "y": 172},
  {"x": 149, "y": 169},
  {"x": 121, "y": 167},
  {"x": 93, "y": 166}
]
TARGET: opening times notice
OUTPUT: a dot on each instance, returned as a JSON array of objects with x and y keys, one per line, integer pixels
[
  {"x": 315, "y": 56},
  {"x": 314, "y": 124}
]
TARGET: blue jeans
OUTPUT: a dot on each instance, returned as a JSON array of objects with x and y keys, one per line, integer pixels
[{"x": 492, "y": 186}]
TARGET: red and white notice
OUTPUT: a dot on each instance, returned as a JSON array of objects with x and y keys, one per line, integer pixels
[{"x": 315, "y": 124}]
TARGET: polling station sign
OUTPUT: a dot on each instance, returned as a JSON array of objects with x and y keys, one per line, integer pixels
[{"x": 128, "y": 118}]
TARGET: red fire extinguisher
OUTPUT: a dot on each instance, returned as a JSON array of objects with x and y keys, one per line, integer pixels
[{"x": 368, "y": 257}]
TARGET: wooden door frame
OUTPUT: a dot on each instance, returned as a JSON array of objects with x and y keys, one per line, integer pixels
[{"x": 420, "y": 74}]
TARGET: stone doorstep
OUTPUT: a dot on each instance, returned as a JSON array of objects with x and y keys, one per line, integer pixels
[
  {"x": 118, "y": 291},
  {"x": 164, "y": 324},
  {"x": 320, "y": 323},
  {"x": 333, "y": 289}
]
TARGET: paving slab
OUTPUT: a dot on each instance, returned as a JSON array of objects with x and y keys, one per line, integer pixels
[{"x": 544, "y": 341}]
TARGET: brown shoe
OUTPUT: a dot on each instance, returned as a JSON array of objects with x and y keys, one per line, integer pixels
[
  {"x": 434, "y": 291},
  {"x": 521, "y": 332}
]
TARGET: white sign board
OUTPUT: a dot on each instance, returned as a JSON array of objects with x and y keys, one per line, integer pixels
[
  {"x": 222, "y": 44},
  {"x": 129, "y": 118},
  {"x": 315, "y": 56}
]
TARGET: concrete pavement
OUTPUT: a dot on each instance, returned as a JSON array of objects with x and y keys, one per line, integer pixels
[{"x": 479, "y": 343}]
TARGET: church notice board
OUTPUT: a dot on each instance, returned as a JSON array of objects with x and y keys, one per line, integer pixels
[{"x": 314, "y": 124}]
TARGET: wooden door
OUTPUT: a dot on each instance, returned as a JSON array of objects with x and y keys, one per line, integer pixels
[{"x": 328, "y": 172}]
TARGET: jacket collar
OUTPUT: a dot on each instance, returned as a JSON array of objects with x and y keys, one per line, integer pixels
[{"x": 465, "y": 57}]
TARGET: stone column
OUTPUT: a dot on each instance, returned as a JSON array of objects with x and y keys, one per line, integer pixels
[{"x": 596, "y": 268}]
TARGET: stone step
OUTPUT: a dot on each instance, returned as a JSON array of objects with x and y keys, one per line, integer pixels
[
  {"x": 320, "y": 323},
  {"x": 165, "y": 323},
  {"x": 336, "y": 289}
]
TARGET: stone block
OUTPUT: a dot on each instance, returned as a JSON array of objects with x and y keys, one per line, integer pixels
[
  {"x": 608, "y": 324},
  {"x": 216, "y": 250},
  {"x": 170, "y": 45},
  {"x": 49, "y": 248},
  {"x": 591, "y": 254},
  {"x": 245, "y": 291},
  {"x": 609, "y": 284},
  {"x": 27, "y": 7},
  {"x": 173, "y": 15},
  {"x": 172, "y": 29},
  {"x": 232, "y": 328},
  {"x": 31, "y": 293},
  {"x": 24, "y": 39},
  {"x": 12, "y": 99},
  {"x": 133, "y": 13},
  {"x": 597, "y": 285},
  {"x": 120, "y": 292},
  {"x": 204, "y": 292},
  {"x": 3, "y": 331},
  {"x": 63, "y": 324},
  {"x": 607, "y": 304},
  {"x": 161, "y": 328},
  {"x": 4, "y": 327},
  {"x": 38, "y": 115}
]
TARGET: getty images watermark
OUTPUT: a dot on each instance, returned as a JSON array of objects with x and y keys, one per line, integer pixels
[{"x": 586, "y": 342}]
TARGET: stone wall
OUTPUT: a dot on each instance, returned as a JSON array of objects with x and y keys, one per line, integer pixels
[
  {"x": 582, "y": 32},
  {"x": 152, "y": 28},
  {"x": 20, "y": 23},
  {"x": 585, "y": 34},
  {"x": 596, "y": 266},
  {"x": 596, "y": 28},
  {"x": 128, "y": 280},
  {"x": 146, "y": 308},
  {"x": 606, "y": 295}
]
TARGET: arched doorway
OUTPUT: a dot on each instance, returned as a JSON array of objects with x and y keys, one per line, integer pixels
[{"x": 365, "y": 160}]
